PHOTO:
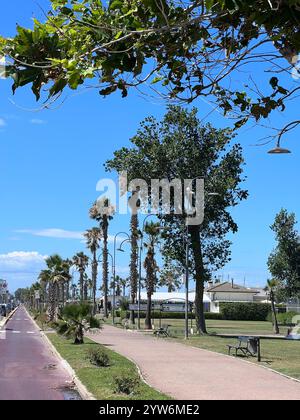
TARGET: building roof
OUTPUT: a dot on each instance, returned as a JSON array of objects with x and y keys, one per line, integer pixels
[{"x": 228, "y": 287}]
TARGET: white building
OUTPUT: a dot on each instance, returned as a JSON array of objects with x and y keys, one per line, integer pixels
[
  {"x": 176, "y": 297},
  {"x": 230, "y": 292}
]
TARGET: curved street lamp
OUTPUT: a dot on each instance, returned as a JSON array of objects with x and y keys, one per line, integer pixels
[{"x": 114, "y": 271}]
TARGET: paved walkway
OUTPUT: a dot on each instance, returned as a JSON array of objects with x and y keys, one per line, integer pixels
[
  {"x": 28, "y": 369},
  {"x": 189, "y": 373}
]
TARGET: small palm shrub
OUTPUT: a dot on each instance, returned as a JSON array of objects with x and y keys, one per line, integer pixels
[
  {"x": 98, "y": 357},
  {"x": 75, "y": 321},
  {"x": 126, "y": 384}
]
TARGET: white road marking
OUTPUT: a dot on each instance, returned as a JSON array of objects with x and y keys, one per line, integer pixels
[
  {"x": 30, "y": 332},
  {"x": 16, "y": 332}
]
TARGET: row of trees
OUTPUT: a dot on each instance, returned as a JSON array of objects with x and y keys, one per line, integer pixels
[{"x": 178, "y": 147}]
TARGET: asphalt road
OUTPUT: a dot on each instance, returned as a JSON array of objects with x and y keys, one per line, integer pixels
[{"x": 28, "y": 369}]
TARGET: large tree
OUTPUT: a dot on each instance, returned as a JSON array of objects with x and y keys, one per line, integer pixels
[
  {"x": 284, "y": 261},
  {"x": 179, "y": 147},
  {"x": 181, "y": 49}
]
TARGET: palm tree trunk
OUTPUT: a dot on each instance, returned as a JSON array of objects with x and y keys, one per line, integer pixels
[
  {"x": 275, "y": 321},
  {"x": 94, "y": 281},
  {"x": 199, "y": 279},
  {"x": 63, "y": 285},
  {"x": 85, "y": 291},
  {"x": 81, "y": 281},
  {"x": 134, "y": 275},
  {"x": 51, "y": 302},
  {"x": 105, "y": 267}
]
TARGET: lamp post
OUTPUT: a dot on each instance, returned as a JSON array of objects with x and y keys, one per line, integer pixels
[{"x": 114, "y": 272}]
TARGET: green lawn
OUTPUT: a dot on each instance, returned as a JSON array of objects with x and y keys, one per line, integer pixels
[
  {"x": 223, "y": 327},
  {"x": 100, "y": 381}
]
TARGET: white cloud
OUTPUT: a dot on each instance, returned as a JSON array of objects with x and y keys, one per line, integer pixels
[
  {"x": 2, "y": 122},
  {"x": 21, "y": 268},
  {"x": 53, "y": 233},
  {"x": 60, "y": 234},
  {"x": 21, "y": 262},
  {"x": 37, "y": 121}
]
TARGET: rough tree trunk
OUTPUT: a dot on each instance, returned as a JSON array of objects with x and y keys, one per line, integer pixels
[
  {"x": 275, "y": 321},
  {"x": 94, "y": 281},
  {"x": 105, "y": 267},
  {"x": 134, "y": 275},
  {"x": 199, "y": 279},
  {"x": 81, "y": 281}
]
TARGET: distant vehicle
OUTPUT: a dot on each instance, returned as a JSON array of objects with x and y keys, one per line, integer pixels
[{"x": 3, "y": 309}]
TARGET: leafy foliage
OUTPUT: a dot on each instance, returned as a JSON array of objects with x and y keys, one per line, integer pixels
[
  {"x": 126, "y": 384},
  {"x": 245, "y": 311},
  {"x": 284, "y": 262},
  {"x": 178, "y": 147},
  {"x": 75, "y": 320},
  {"x": 190, "y": 47},
  {"x": 98, "y": 357}
]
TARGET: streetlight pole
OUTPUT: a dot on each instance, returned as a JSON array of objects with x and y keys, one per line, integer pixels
[
  {"x": 186, "y": 238},
  {"x": 114, "y": 274}
]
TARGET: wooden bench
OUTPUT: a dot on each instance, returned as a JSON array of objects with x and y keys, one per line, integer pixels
[
  {"x": 248, "y": 346},
  {"x": 163, "y": 331}
]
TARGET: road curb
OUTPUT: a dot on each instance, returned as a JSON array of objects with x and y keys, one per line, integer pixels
[{"x": 81, "y": 388}]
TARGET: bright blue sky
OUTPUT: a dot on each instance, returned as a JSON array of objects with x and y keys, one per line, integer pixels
[{"x": 51, "y": 160}]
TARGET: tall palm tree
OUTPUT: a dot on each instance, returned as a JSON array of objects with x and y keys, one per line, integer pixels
[
  {"x": 123, "y": 284},
  {"x": 58, "y": 275},
  {"x": 93, "y": 237},
  {"x": 151, "y": 267},
  {"x": 103, "y": 211},
  {"x": 80, "y": 261},
  {"x": 44, "y": 279},
  {"x": 271, "y": 287}
]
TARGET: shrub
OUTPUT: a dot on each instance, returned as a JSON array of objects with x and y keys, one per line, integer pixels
[
  {"x": 167, "y": 315},
  {"x": 98, "y": 357},
  {"x": 244, "y": 311},
  {"x": 284, "y": 318},
  {"x": 126, "y": 384}
]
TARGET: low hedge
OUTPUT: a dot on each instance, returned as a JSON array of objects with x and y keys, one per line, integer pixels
[
  {"x": 166, "y": 315},
  {"x": 236, "y": 311}
]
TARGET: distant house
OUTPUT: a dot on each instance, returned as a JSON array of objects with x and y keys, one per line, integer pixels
[{"x": 230, "y": 292}]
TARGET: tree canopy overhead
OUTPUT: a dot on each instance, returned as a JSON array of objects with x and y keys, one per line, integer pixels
[{"x": 179, "y": 49}]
